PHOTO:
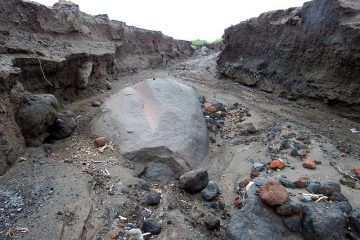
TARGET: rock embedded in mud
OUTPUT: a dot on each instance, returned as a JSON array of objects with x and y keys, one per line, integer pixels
[
  {"x": 273, "y": 193},
  {"x": 194, "y": 181},
  {"x": 302, "y": 182},
  {"x": 309, "y": 164},
  {"x": 329, "y": 188},
  {"x": 152, "y": 225},
  {"x": 211, "y": 222},
  {"x": 153, "y": 198},
  {"x": 210, "y": 191},
  {"x": 277, "y": 164},
  {"x": 100, "y": 141},
  {"x": 84, "y": 73},
  {"x": 350, "y": 182}
]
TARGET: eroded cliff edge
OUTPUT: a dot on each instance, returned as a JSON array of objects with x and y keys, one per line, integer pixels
[
  {"x": 78, "y": 54},
  {"x": 312, "y": 51}
]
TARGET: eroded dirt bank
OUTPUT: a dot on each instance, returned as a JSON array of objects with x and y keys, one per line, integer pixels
[
  {"x": 80, "y": 55},
  {"x": 310, "y": 51},
  {"x": 77, "y": 192}
]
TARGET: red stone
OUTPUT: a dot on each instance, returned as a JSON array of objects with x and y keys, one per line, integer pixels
[
  {"x": 273, "y": 193},
  {"x": 113, "y": 234},
  {"x": 237, "y": 202},
  {"x": 210, "y": 109},
  {"x": 357, "y": 171},
  {"x": 277, "y": 164},
  {"x": 100, "y": 142},
  {"x": 249, "y": 128},
  {"x": 310, "y": 164}
]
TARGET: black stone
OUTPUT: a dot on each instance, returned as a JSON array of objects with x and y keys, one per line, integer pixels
[
  {"x": 153, "y": 198},
  {"x": 211, "y": 222},
  {"x": 194, "y": 181},
  {"x": 151, "y": 225},
  {"x": 210, "y": 192},
  {"x": 338, "y": 197},
  {"x": 329, "y": 188},
  {"x": 287, "y": 183}
]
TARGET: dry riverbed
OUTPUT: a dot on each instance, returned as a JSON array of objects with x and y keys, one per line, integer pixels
[{"x": 71, "y": 189}]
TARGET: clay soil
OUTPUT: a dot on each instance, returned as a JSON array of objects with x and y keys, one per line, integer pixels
[{"x": 74, "y": 191}]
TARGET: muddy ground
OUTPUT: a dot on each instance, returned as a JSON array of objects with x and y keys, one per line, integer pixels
[{"x": 70, "y": 190}]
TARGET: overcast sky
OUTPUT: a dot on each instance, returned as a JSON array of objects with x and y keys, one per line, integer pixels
[{"x": 185, "y": 19}]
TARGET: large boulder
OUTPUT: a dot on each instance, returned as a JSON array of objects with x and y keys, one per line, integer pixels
[
  {"x": 323, "y": 221},
  {"x": 255, "y": 220},
  {"x": 40, "y": 116},
  {"x": 35, "y": 116},
  {"x": 158, "y": 122}
]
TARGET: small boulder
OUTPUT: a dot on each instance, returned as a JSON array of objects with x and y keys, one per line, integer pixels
[
  {"x": 153, "y": 198},
  {"x": 211, "y": 222},
  {"x": 100, "y": 141},
  {"x": 309, "y": 164},
  {"x": 211, "y": 191},
  {"x": 194, "y": 181},
  {"x": 277, "y": 164},
  {"x": 273, "y": 193},
  {"x": 151, "y": 225},
  {"x": 329, "y": 188}
]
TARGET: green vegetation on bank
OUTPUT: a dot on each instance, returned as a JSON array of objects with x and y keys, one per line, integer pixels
[{"x": 200, "y": 43}]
